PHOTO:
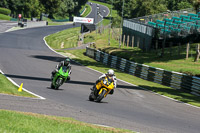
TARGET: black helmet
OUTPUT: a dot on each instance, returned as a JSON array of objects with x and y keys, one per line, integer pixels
[{"x": 67, "y": 61}]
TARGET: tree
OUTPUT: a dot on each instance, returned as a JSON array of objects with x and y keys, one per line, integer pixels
[
  {"x": 196, "y": 4},
  {"x": 146, "y": 7},
  {"x": 78, "y": 4},
  {"x": 138, "y": 8},
  {"x": 28, "y": 8},
  {"x": 129, "y": 5},
  {"x": 184, "y": 5},
  {"x": 4, "y": 3},
  {"x": 66, "y": 7},
  {"x": 51, "y": 6}
]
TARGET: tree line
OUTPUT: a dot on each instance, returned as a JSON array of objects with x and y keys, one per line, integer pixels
[
  {"x": 138, "y": 8},
  {"x": 67, "y": 8},
  {"x": 34, "y": 8}
]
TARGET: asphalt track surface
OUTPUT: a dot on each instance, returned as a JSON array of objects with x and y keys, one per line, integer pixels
[{"x": 25, "y": 58}]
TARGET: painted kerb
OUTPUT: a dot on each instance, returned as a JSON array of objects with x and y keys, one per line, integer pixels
[{"x": 172, "y": 79}]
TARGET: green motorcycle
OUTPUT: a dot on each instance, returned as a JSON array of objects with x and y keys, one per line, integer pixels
[{"x": 60, "y": 77}]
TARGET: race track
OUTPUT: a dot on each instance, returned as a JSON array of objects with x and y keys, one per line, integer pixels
[{"x": 25, "y": 58}]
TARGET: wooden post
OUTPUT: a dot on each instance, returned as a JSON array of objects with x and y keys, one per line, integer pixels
[
  {"x": 143, "y": 45},
  {"x": 127, "y": 43},
  {"x": 197, "y": 53},
  {"x": 156, "y": 45},
  {"x": 170, "y": 45},
  {"x": 179, "y": 48},
  {"x": 132, "y": 41},
  {"x": 124, "y": 40},
  {"x": 163, "y": 48},
  {"x": 187, "y": 50},
  {"x": 112, "y": 32},
  {"x": 109, "y": 36},
  {"x": 138, "y": 42}
]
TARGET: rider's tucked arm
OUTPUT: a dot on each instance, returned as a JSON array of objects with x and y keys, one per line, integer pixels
[
  {"x": 70, "y": 71},
  {"x": 102, "y": 76},
  {"x": 59, "y": 65},
  {"x": 115, "y": 81}
]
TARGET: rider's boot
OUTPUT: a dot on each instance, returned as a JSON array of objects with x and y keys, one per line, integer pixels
[
  {"x": 93, "y": 91},
  {"x": 111, "y": 92},
  {"x": 52, "y": 74},
  {"x": 68, "y": 78}
]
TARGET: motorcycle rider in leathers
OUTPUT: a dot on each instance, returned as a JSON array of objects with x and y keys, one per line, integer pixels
[
  {"x": 110, "y": 74},
  {"x": 66, "y": 63}
]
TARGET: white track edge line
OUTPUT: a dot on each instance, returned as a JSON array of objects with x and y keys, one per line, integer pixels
[{"x": 22, "y": 87}]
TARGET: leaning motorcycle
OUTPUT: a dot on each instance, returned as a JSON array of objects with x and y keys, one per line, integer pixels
[
  {"x": 60, "y": 77},
  {"x": 102, "y": 90}
]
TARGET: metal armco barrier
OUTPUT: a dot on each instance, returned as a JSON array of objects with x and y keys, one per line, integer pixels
[{"x": 172, "y": 79}]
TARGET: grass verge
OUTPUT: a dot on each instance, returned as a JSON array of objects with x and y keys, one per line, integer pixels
[
  {"x": 57, "y": 23},
  {"x": 4, "y": 17},
  {"x": 18, "y": 122},
  {"x": 62, "y": 40},
  {"x": 87, "y": 10},
  {"x": 6, "y": 87},
  {"x": 174, "y": 58}
]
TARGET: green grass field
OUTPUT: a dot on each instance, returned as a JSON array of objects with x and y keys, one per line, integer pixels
[
  {"x": 19, "y": 122},
  {"x": 61, "y": 40},
  {"x": 4, "y": 17}
]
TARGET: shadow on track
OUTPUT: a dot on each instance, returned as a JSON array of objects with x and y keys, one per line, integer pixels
[
  {"x": 69, "y": 82},
  {"x": 55, "y": 89},
  {"x": 52, "y": 58}
]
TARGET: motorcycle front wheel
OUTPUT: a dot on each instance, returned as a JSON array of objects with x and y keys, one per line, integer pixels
[
  {"x": 52, "y": 86},
  {"x": 58, "y": 83},
  {"x": 101, "y": 96},
  {"x": 91, "y": 97}
]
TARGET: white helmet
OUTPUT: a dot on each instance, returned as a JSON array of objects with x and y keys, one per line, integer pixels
[{"x": 110, "y": 72}]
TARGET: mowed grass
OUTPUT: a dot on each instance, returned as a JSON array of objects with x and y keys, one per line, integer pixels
[
  {"x": 87, "y": 11},
  {"x": 172, "y": 61},
  {"x": 57, "y": 23},
  {"x": 101, "y": 43},
  {"x": 19, "y": 122},
  {"x": 61, "y": 40},
  {"x": 6, "y": 87},
  {"x": 4, "y": 17}
]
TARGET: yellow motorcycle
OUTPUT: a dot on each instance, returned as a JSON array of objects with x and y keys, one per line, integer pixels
[{"x": 102, "y": 89}]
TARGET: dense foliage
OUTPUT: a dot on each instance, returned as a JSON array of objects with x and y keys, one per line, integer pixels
[
  {"x": 68, "y": 8},
  {"x": 138, "y": 8},
  {"x": 34, "y": 8},
  {"x": 5, "y": 11}
]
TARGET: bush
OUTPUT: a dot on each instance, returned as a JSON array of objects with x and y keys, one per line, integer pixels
[
  {"x": 4, "y": 17},
  {"x": 5, "y": 11}
]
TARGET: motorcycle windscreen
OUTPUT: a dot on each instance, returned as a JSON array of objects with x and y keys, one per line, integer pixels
[
  {"x": 110, "y": 83},
  {"x": 64, "y": 71}
]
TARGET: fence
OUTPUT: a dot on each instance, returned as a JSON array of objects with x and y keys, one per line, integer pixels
[{"x": 172, "y": 79}]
